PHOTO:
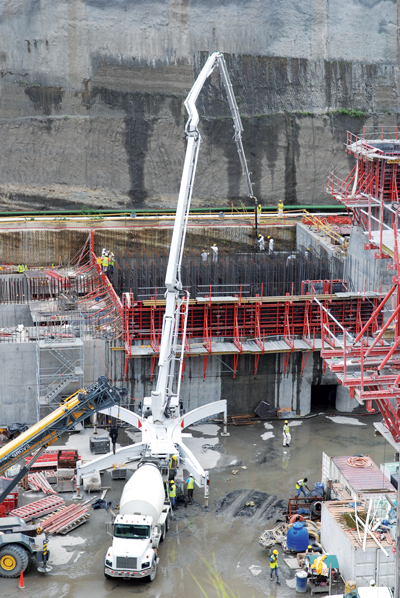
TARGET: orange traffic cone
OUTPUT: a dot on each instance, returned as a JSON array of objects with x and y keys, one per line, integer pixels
[{"x": 21, "y": 581}]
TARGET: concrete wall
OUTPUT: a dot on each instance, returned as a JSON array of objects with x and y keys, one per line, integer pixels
[
  {"x": 18, "y": 388},
  {"x": 91, "y": 97},
  {"x": 19, "y": 393},
  {"x": 362, "y": 269}
]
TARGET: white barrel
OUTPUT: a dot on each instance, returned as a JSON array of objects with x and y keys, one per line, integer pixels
[{"x": 144, "y": 493}]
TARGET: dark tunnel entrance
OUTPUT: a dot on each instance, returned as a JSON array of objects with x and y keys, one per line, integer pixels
[{"x": 323, "y": 397}]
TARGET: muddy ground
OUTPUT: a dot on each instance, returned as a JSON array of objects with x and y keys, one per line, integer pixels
[{"x": 227, "y": 534}]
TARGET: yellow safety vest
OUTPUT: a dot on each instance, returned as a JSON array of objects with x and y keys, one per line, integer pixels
[
  {"x": 259, "y": 208},
  {"x": 273, "y": 561},
  {"x": 172, "y": 491},
  {"x": 299, "y": 484},
  {"x": 21, "y": 269},
  {"x": 190, "y": 483},
  {"x": 286, "y": 429},
  {"x": 105, "y": 261},
  {"x": 172, "y": 463}
]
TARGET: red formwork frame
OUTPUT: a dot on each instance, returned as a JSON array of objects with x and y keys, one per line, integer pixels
[
  {"x": 369, "y": 362},
  {"x": 256, "y": 320}
]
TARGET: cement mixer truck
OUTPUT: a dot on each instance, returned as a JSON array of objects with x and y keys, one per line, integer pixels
[{"x": 142, "y": 523}]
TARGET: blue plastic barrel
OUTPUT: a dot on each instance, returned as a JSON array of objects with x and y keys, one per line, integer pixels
[
  {"x": 297, "y": 537},
  {"x": 301, "y": 581}
]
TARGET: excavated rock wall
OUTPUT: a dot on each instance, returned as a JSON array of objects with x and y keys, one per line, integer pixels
[{"x": 92, "y": 91}]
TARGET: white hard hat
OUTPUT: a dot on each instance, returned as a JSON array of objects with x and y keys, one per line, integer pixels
[{"x": 372, "y": 583}]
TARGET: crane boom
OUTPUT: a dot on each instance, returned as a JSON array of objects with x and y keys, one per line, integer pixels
[
  {"x": 73, "y": 410},
  {"x": 164, "y": 402}
]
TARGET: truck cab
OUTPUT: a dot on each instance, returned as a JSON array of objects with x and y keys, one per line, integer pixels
[{"x": 133, "y": 552}]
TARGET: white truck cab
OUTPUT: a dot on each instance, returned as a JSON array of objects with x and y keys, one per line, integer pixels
[
  {"x": 142, "y": 523},
  {"x": 134, "y": 548}
]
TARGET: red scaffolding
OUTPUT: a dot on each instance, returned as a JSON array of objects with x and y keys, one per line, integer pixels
[{"x": 368, "y": 363}]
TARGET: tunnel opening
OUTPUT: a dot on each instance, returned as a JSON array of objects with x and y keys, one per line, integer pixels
[{"x": 323, "y": 397}]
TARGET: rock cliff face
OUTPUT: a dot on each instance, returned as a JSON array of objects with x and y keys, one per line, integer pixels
[{"x": 92, "y": 91}]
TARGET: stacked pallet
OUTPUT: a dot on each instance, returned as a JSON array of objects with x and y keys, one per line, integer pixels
[
  {"x": 39, "y": 508},
  {"x": 66, "y": 519}
]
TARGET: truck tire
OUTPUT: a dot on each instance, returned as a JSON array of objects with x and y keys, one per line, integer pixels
[
  {"x": 167, "y": 524},
  {"x": 107, "y": 576},
  {"x": 153, "y": 575},
  {"x": 13, "y": 560}
]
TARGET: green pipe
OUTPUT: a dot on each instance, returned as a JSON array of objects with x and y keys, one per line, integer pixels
[{"x": 249, "y": 210}]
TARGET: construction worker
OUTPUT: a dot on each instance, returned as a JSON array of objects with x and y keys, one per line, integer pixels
[
  {"x": 307, "y": 253},
  {"x": 111, "y": 263},
  {"x": 273, "y": 563},
  {"x": 290, "y": 260},
  {"x": 190, "y": 488},
  {"x": 204, "y": 255},
  {"x": 215, "y": 253},
  {"x": 309, "y": 549},
  {"x": 261, "y": 242},
  {"x": 113, "y": 433},
  {"x": 372, "y": 583},
  {"x": 21, "y": 268},
  {"x": 270, "y": 246},
  {"x": 259, "y": 210},
  {"x": 172, "y": 493},
  {"x": 300, "y": 486},
  {"x": 286, "y": 434},
  {"x": 280, "y": 209},
  {"x": 105, "y": 262},
  {"x": 173, "y": 464}
]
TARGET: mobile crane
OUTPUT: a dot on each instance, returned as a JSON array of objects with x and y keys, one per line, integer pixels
[
  {"x": 20, "y": 542},
  {"x": 161, "y": 421}
]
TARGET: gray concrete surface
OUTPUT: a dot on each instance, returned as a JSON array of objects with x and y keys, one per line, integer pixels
[
  {"x": 91, "y": 97},
  {"x": 232, "y": 541}
]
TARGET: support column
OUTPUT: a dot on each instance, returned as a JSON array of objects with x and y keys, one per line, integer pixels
[{"x": 343, "y": 401}]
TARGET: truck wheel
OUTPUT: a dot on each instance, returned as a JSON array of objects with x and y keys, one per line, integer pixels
[
  {"x": 13, "y": 560},
  {"x": 107, "y": 576},
  {"x": 153, "y": 575},
  {"x": 167, "y": 524}
]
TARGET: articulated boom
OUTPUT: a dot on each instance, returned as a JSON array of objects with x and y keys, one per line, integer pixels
[{"x": 164, "y": 401}]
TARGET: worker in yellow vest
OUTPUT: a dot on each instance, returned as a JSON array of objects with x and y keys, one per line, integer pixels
[
  {"x": 190, "y": 488},
  {"x": 273, "y": 563},
  {"x": 259, "y": 210},
  {"x": 104, "y": 263},
  {"x": 300, "y": 486},
  {"x": 172, "y": 493},
  {"x": 286, "y": 434},
  {"x": 21, "y": 269},
  {"x": 280, "y": 208}
]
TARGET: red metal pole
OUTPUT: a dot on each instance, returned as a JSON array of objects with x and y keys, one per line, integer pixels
[
  {"x": 375, "y": 313},
  {"x": 378, "y": 338}
]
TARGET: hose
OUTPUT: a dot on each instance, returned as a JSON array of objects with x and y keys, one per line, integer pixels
[
  {"x": 359, "y": 462},
  {"x": 314, "y": 534},
  {"x": 295, "y": 518},
  {"x": 316, "y": 507}
]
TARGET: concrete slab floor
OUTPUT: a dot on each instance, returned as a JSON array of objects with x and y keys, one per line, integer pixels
[{"x": 224, "y": 534}]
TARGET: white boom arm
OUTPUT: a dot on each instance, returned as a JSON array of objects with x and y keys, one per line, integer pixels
[
  {"x": 161, "y": 424},
  {"x": 164, "y": 402}
]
